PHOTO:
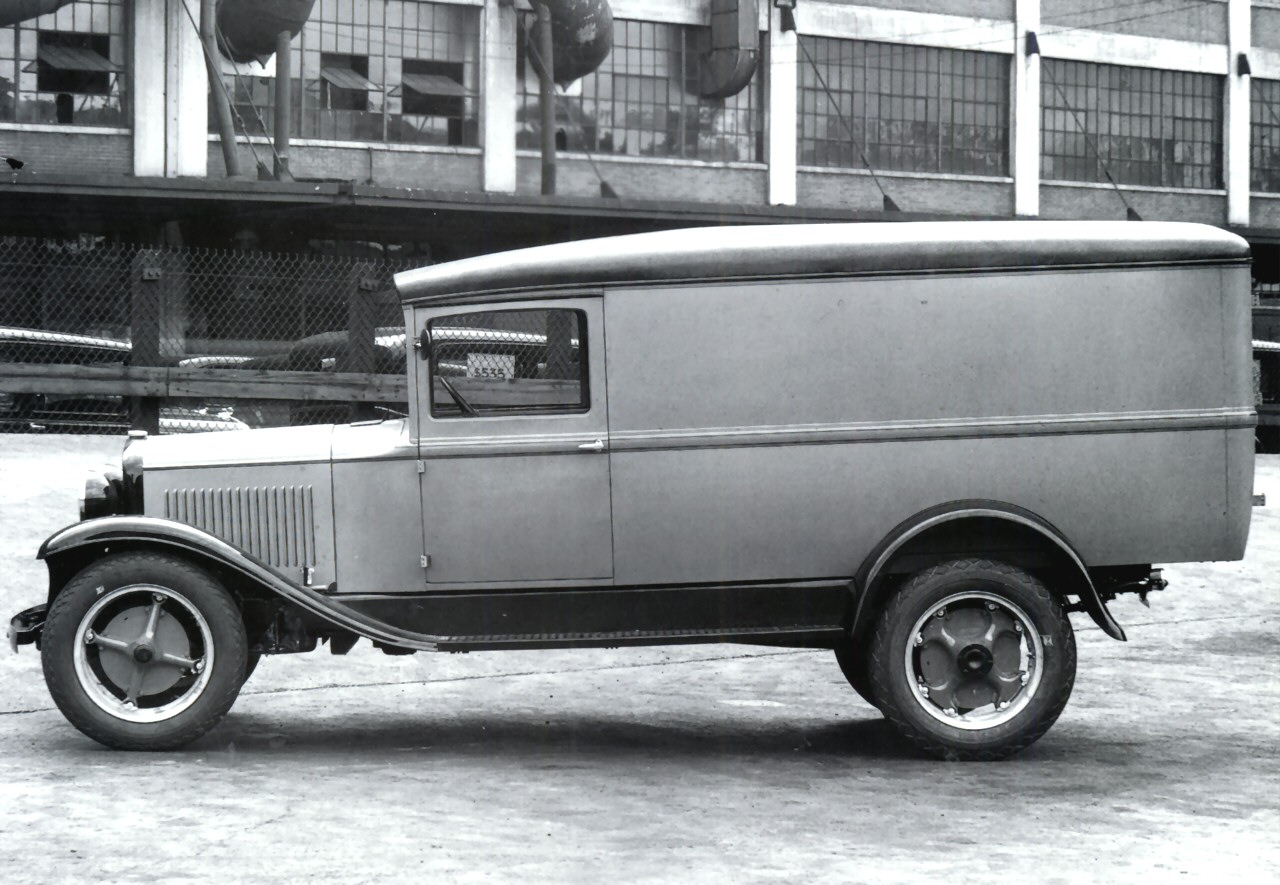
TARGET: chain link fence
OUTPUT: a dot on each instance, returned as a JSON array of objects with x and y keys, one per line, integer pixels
[{"x": 166, "y": 319}]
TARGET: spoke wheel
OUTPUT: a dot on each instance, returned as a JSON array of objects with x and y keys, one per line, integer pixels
[
  {"x": 144, "y": 651},
  {"x": 973, "y": 660}
]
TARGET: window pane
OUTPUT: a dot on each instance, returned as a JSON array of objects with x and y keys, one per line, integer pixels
[
  {"x": 504, "y": 362},
  {"x": 645, "y": 100},
  {"x": 899, "y": 103},
  {"x": 1099, "y": 118}
]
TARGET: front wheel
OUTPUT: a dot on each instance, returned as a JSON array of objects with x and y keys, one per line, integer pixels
[
  {"x": 973, "y": 660},
  {"x": 144, "y": 651}
]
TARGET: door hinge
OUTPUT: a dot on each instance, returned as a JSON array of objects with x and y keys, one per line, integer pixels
[
  {"x": 422, "y": 467},
  {"x": 425, "y": 560}
]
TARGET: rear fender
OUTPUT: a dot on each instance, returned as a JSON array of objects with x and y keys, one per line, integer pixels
[
  {"x": 68, "y": 551},
  {"x": 869, "y": 584}
]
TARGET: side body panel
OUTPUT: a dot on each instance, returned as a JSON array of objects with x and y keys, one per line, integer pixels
[
  {"x": 377, "y": 513},
  {"x": 776, "y": 431},
  {"x": 281, "y": 514}
]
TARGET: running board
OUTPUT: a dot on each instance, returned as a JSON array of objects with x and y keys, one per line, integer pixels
[
  {"x": 806, "y": 636},
  {"x": 772, "y": 614}
]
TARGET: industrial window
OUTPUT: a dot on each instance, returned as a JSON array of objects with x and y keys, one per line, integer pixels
[
  {"x": 434, "y": 95},
  {"x": 377, "y": 72},
  {"x": 344, "y": 82},
  {"x": 508, "y": 362},
  {"x": 644, "y": 101},
  {"x": 1146, "y": 126},
  {"x": 65, "y": 67},
  {"x": 1264, "y": 136},
  {"x": 910, "y": 108},
  {"x": 75, "y": 63}
]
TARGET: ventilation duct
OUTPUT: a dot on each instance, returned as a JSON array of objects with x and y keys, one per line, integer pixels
[{"x": 735, "y": 47}]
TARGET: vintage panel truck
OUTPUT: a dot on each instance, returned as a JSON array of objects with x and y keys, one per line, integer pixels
[{"x": 920, "y": 445}]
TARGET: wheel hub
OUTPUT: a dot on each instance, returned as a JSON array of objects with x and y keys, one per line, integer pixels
[
  {"x": 974, "y": 660},
  {"x": 144, "y": 653}
]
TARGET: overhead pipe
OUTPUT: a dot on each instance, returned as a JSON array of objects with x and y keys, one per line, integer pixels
[
  {"x": 218, "y": 89},
  {"x": 547, "y": 98},
  {"x": 284, "y": 109}
]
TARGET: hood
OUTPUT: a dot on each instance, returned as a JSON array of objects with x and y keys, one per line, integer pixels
[{"x": 276, "y": 445}]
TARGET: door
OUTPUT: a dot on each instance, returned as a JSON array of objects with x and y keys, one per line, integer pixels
[{"x": 513, "y": 439}]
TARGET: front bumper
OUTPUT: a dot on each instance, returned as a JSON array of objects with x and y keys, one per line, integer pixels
[{"x": 25, "y": 627}]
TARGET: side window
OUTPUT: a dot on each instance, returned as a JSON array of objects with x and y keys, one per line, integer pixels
[{"x": 508, "y": 362}]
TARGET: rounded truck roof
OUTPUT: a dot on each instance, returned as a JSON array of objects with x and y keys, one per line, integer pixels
[{"x": 764, "y": 252}]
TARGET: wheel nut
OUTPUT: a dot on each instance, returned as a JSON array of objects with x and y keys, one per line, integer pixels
[
  {"x": 89, "y": 637},
  {"x": 197, "y": 667},
  {"x": 991, "y": 606},
  {"x": 919, "y": 639},
  {"x": 156, "y": 597},
  {"x": 949, "y": 711},
  {"x": 1017, "y": 627},
  {"x": 1024, "y": 678},
  {"x": 941, "y": 613}
]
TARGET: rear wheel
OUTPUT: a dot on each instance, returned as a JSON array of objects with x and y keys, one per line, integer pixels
[
  {"x": 144, "y": 651},
  {"x": 973, "y": 660},
  {"x": 855, "y": 667}
]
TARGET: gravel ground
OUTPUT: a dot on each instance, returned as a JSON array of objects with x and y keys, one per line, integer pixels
[{"x": 710, "y": 763}]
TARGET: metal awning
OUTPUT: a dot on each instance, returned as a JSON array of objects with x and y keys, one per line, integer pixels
[
  {"x": 433, "y": 84},
  {"x": 345, "y": 78},
  {"x": 74, "y": 58}
]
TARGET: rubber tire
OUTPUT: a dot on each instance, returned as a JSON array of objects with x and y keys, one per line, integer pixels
[
  {"x": 897, "y": 698},
  {"x": 198, "y": 587},
  {"x": 856, "y": 669},
  {"x": 251, "y": 664}
]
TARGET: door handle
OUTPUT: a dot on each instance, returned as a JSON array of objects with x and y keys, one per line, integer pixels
[{"x": 597, "y": 446}]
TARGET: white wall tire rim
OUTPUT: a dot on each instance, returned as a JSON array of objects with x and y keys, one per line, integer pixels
[
  {"x": 107, "y": 643},
  {"x": 999, "y": 612}
]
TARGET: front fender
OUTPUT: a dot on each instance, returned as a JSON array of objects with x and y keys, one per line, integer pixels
[{"x": 95, "y": 537}]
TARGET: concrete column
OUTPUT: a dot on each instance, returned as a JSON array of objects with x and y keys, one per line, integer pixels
[
  {"x": 1025, "y": 123},
  {"x": 1235, "y": 118},
  {"x": 498, "y": 96},
  {"x": 780, "y": 135},
  {"x": 147, "y": 85},
  {"x": 186, "y": 99}
]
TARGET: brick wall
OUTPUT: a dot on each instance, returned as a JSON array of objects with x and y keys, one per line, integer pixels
[
  {"x": 646, "y": 181},
  {"x": 1057, "y": 201},
  {"x": 70, "y": 152},
  {"x": 377, "y": 164},
  {"x": 934, "y": 195},
  {"x": 1264, "y": 211}
]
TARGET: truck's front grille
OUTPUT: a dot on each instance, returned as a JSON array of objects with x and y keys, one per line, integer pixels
[{"x": 274, "y": 523}]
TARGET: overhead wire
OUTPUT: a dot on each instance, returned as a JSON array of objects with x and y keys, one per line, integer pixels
[
  {"x": 1130, "y": 212},
  {"x": 889, "y": 204}
]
